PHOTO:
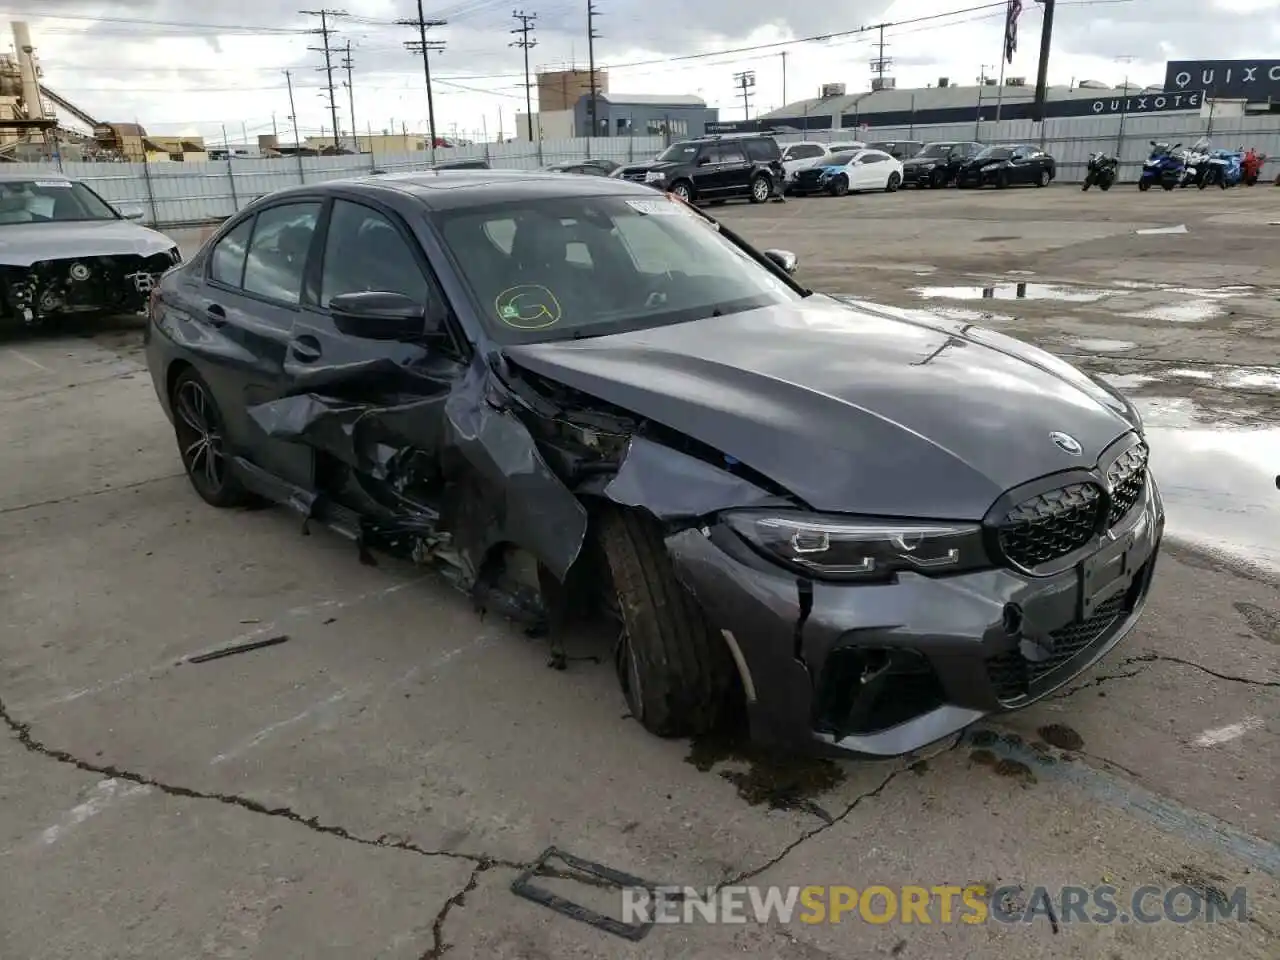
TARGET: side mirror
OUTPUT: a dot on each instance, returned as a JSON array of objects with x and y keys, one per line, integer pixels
[
  {"x": 1153, "y": 143},
  {"x": 785, "y": 259},
  {"x": 131, "y": 211},
  {"x": 379, "y": 315}
]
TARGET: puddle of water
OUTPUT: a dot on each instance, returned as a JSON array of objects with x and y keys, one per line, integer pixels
[
  {"x": 1218, "y": 483},
  {"x": 1186, "y": 311},
  {"x": 1191, "y": 374},
  {"x": 1104, "y": 346},
  {"x": 1263, "y": 379},
  {"x": 1013, "y": 291}
]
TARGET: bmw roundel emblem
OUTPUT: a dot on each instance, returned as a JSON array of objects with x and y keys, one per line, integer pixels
[{"x": 1066, "y": 443}]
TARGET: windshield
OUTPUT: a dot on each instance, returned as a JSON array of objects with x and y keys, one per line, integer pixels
[
  {"x": 937, "y": 150},
  {"x": 587, "y": 266},
  {"x": 1159, "y": 149},
  {"x": 678, "y": 153},
  {"x": 995, "y": 153},
  {"x": 839, "y": 159},
  {"x": 47, "y": 201}
]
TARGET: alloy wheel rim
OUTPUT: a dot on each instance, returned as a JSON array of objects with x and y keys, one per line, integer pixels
[
  {"x": 761, "y": 189},
  {"x": 200, "y": 438},
  {"x": 682, "y": 192}
]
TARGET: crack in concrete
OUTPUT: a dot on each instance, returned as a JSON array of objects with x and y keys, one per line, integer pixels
[
  {"x": 89, "y": 493},
  {"x": 439, "y": 947},
  {"x": 1146, "y": 659},
  {"x": 22, "y": 733}
]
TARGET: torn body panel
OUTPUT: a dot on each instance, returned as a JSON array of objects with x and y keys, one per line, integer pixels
[{"x": 454, "y": 469}]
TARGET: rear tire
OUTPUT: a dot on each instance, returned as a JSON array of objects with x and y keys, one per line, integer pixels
[
  {"x": 1087, "y": 184},
  {"x": 760, "y": 188},
  {"x": 1144, "y": 185},
  {"x": 1105, "y": 185},
  {"x": 894, "y": 182},
  {"x": 198, "y": 428},
  {"x": 676, "y": 673}
]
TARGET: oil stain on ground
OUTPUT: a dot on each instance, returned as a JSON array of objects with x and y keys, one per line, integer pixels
[
  {"x": 779, "y": 781},
  {"x": 1264, "y": 624},
  {"x": 1061, "y": 736},
  {"x": 1003, "y": 766},
  {"x": 1202, "y": 882}
]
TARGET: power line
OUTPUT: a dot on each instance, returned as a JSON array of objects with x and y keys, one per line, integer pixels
[
  {"x": 525, "y": 44},
  {"x": 421, "y": 45},
  {"x": 325, "y": 31}
]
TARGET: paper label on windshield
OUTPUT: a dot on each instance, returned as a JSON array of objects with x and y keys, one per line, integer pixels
[
  {"x": 66, "y": 184},
  {"x": 670, "y": 208}
]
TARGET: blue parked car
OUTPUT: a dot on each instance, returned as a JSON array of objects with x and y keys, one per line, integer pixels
[
  {"x": 1225, "y": 168},
  {"x": 1164, "y": 167}
]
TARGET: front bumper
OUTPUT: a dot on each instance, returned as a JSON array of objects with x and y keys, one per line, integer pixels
[
  {"x": 882, "y": 670},
  {"x": 977, "y": 178},
  {"x": 914, "y": 175}
]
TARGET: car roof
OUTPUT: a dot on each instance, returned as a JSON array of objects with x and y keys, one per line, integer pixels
[{"x": 459, "y": 189}]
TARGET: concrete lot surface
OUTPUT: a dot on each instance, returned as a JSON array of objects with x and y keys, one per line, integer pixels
[{"x": 371, "y": 787}]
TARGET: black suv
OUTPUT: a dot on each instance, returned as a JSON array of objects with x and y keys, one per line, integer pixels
[{"x": 714, "y": 169}]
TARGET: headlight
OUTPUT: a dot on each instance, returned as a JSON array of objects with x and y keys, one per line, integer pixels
[
  {"x": 855, "y": 548},
  {"x": 654, "y": 176}
]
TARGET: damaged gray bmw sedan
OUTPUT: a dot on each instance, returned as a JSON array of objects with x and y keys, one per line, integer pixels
[
  {"x": 65, "y": 251},
  {"x": 577, "y": 397}
]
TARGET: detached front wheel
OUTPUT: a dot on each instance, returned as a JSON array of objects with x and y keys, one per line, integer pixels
[{"x": 675, "y": 671}]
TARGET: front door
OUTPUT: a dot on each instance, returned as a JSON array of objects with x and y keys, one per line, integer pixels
[{"x": 396, "y": 388}]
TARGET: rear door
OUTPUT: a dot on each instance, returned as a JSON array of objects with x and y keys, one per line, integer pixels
[
  {"x": 735, "y": 169},
  {"x": 250, "y": 298}
]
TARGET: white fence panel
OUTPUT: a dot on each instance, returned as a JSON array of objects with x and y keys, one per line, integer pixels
[{"x": 174, "y": 193}]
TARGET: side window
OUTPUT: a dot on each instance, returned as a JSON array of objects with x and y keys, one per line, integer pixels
[
  {"x": 226, "y": 264},
  {"x": 278, "y": 253},
  {"x": 363, "y": 251},
  {"x": 762, "y": 151},
  {"x": 731, "y": 153},
  {"x": 708, "y": 155}
]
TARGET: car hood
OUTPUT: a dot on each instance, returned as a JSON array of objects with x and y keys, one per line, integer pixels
[
  {"x": 650, "y": 165},
  {"x": 22, "y": 244},
  {"x": 849, "y": 407},
  {"x": 985, "y": 161}
]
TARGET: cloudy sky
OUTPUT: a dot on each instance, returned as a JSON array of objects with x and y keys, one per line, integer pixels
[{"x": 178, "y": 67}]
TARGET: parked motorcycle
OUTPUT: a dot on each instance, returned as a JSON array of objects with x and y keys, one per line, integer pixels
[
  {"x": 1251, "y": 167},
  {"x": 1195, "y": 163},
  {"x": 1164, "y": 167},
  {"x": 1102, "y": 171},
  {"x": 1225, "y": 168}
]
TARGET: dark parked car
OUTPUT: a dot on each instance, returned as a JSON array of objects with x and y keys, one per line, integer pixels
[
  {"x": 1008, "y": 166},
  {"x": 714, "y": 169},
  {"x": 574, "y": 393},
  {"x": 898, "y": 149},
  {"x": 589, "y": 168},
  {"x": 937, "y": 164}
]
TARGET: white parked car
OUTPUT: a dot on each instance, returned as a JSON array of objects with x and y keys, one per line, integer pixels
[
  {"x": 850, "y": 172},
  {"x": 807, "y": 153}
]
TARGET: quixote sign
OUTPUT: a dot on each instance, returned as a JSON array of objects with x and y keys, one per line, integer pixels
[
  {"x": 1147, "y": 103},
  {"x": 1244, "y": 79}
]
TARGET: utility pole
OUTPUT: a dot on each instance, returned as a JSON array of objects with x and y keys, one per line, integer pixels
[
  {"x": 592, "y": 37},
  {"x": 1042, "y": 76},
  {"x": 297, "y": 141},
  {"x": 982, "y": 83},
  {"x": 421, "y": 45},
  {"x": 1124, "y": 103},
  {"x": 351, "y": 99},
  {"x": 524, "y": 43},
  {"x": 745, "y": 82},
  {"x": 784, "y": 77},
  {"x": 881, "y": 63},
  {"x": 325, "y": 31}
]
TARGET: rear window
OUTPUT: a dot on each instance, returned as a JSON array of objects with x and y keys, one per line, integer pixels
[{"x": 763, "y": 150}]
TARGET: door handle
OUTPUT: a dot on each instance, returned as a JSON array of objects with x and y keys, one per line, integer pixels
[
  {"x": 306, "y": 348},
  {"x": 216, "y": 314}
]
